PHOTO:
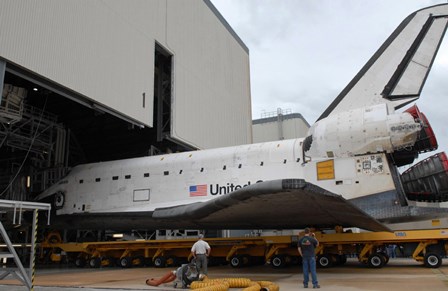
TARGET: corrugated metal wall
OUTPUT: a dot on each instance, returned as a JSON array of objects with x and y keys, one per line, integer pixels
[
  {"x": 104, "y": 50},
  {"x": 211, "y": 78}
]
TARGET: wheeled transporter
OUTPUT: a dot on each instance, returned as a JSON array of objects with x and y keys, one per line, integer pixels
[{"x": 427, "y": 246}]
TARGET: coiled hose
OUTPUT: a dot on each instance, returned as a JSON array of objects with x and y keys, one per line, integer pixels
[{"x": 223, "y": 284}]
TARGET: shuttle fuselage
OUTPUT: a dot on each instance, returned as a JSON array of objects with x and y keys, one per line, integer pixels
[{"x": 347, "y": 156}]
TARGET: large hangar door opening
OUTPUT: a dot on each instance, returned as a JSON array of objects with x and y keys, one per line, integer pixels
[
  {"x": 162, "y": 92},
  {"x": 46, "y": 129}
]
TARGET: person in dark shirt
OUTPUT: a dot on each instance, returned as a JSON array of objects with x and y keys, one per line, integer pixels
[{"x": 306, "y": 247}]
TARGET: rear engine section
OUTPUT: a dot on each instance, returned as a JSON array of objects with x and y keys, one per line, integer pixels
[{"x": 426, "y": 141}]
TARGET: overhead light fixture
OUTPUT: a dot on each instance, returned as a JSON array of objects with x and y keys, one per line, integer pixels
[{"x": 35, "y": 89}]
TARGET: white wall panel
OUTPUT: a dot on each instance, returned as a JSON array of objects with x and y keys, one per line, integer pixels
[
  {"x": 211, "y": 80},
  {"x": 104, "y": 50},
  {"x": 271, "y": 129},
  {"x": 90, "y": 47}
]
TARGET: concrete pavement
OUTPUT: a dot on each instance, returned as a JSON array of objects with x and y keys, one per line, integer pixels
[{"x": 399, "y": 274}]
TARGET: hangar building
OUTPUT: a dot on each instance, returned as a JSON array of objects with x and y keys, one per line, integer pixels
[
  {"x": 90, "y": 80},
  {"x": 279, "y": 125}
]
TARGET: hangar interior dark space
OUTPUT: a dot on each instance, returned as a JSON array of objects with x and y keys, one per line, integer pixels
[{"x": 46, "y": 129}]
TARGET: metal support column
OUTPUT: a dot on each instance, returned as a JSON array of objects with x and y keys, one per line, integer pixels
[
  {"x": 2, "y": 77},
  {"x": 22, "y": 275},
  {"x": 32, "y": 272},
  {"x": 27, "y": 278}
]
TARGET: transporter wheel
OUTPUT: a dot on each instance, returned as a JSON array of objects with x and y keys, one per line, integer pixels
[
  {"x": 325, "y": 261},
  {"x": 236, "y": 261},
  {"x": 80, "y": 262},
  {"x": 432, "y": 260},
  {"x": 160, "y": 262},
  {"x": 125, "y": 262},
  {"x": 278, "y": 261},
  {"x": 376, "y": 260},
  {"x": 95, "y": 262}
]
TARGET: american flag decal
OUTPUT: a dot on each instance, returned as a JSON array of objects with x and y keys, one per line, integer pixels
[{"x": 198, "y": 190}]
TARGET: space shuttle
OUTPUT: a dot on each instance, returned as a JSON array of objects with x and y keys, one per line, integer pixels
[{"x": 344, "y": 172}]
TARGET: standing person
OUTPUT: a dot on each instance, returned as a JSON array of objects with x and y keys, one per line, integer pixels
[
  {"x": 306, "y": 247},
  {"x": 391, "y": 251},
  {"x": 200, "y": 251}
]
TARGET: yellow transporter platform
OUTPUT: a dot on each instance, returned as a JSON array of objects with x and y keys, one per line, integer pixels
[
  {"x": 427, "y": 246},
  {"x": 238, "y": 251}
]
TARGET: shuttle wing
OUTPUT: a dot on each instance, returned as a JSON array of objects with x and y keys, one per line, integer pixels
[
  {"x": 277, "y": 204},
  {"x": 397, "y": 72}
]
